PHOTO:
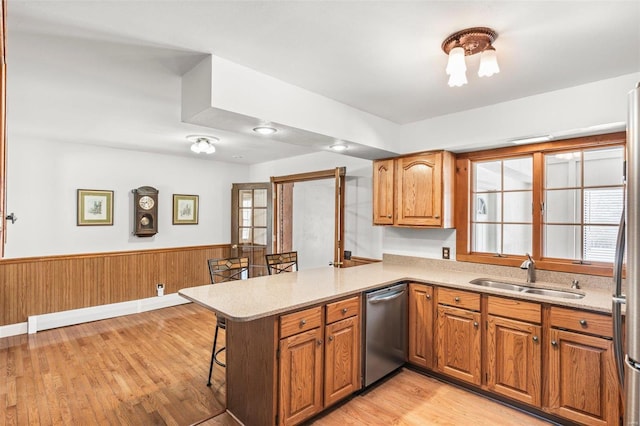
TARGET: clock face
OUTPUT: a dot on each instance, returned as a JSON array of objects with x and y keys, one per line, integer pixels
[{"x": 146, "y": 202}]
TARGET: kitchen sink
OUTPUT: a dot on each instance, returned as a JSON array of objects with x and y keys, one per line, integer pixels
[{"x": 487, "y": 282}]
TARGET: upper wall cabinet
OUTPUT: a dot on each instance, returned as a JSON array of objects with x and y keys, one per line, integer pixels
[{"x": 415, "y": 190}]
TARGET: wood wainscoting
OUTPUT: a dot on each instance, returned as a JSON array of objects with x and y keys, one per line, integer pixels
[{"x": 40, "y": 285}]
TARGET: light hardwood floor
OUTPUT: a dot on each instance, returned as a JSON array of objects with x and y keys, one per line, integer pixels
[
  {"x": 143, "y": 369},
  {"x": 150, "y": 369},
  {"x": 411, "y": 399}
]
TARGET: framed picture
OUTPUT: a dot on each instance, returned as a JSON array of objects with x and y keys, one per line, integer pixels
[
  {"x": 185, "y": 209},
  {"x": 95, "y": 207}
]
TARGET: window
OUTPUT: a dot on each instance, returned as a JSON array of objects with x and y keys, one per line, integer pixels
[
  {"x": 560, "y": 202},
  {"x": 502, "y": 197},
  {"x": 583, "y": 198}
]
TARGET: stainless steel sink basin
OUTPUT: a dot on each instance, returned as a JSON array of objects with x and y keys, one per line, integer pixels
[
  {"x": 487, "y": 282},
  {"x": 554, "y": 293}
]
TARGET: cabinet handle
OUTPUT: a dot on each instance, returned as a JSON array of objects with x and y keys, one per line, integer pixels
[
  {"x": 475, "y": 324},
  {"x": 535, "y": 338},
  {"x": 344, "y": 310},
  {"x": 302, "y": 323},
  {"x": 388, "y": 216},
  {"x": 583, "y": 322},
  {"x": 319, "y": 342},
  {"x": 554, "y": 343},
  {"x": 457, "y": 299},
  {"x": 331, "y": 338},
  {"x": 428, "y": 296},
  {"x": 437, "y": 216}
]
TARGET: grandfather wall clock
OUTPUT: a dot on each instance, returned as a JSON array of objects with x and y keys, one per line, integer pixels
[{"x": 145, "y": 211}]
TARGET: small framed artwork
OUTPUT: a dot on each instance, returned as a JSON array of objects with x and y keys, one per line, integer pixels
[
  {"x": 185, "y": 209},
  {"x": 95, "y": 207}
]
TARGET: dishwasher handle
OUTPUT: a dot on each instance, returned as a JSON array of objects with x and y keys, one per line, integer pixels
[{"x": 391, "y": 296}]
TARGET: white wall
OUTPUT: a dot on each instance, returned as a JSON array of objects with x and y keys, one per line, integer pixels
[{"x": 43, "y": 178}]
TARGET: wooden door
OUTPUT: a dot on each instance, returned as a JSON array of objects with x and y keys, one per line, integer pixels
[
  {"x": 514, "y": 359},
  {"x": 583, "y": 384},
  {"x": 342, "y": 355},
  {"x": 300, "y": 376},
  {"x": 458, "y": 343},
  {"x": 419, "y": 190},
  {"x": 383, "y": 187},
  {"x": 421, "y": 325}
]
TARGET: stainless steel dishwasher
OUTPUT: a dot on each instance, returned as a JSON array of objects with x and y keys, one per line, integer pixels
[{"x": 385, "y": 332}]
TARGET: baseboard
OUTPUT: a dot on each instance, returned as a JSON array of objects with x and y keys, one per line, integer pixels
[
  {"x": 13, "y": 329},
  {"x": 37, "y": 323}
]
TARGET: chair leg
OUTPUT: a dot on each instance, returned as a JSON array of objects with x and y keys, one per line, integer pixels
[{"x": 213, "y": 355}]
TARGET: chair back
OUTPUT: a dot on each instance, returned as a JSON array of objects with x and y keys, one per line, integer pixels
[
  {"x": 228, "y": 269},
  {"x": 282, "y": 262}
]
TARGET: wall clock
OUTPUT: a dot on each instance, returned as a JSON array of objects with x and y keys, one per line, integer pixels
[{"x": 145, "y": 211}]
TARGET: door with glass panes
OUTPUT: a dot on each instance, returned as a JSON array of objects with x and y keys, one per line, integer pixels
[{"x": 251, "y": 224}]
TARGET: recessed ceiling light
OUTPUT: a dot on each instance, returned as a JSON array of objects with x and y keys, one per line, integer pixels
[
  {"x": 339, "y": 147},
  {"x": 265, "y": 130}
]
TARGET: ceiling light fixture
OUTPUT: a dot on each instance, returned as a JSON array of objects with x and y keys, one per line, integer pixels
[
  {"x": 339, "y": 147},
  {"x": 265, "y": 130},
  {"x": 202, "y": 143},
  {"x": 532, "y": 139},
  {"x": 466, "y": 43}
]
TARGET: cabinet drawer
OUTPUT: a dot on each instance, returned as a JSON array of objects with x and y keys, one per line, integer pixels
[
  {"x": 343, "y": 309},
  {"x": 298, "y": 322},
  {"x": 515, "y": 309},
  {"x": 582, "y": 321},
  {"x": 459, "y": 298}
]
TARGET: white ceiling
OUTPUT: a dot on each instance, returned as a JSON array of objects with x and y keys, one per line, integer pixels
[{"x": 382, "y": 57}]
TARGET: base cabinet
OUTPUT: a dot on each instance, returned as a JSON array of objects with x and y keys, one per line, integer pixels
[
  {"x": 319, "y": 366},
  {"x": 583, "y": 383},
  {"x": 421, "y": 315},
  {"x": 514, "y": 349},
  {"x": 301, "y": 369}
]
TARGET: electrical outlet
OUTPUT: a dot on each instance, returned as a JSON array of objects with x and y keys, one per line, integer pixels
[
  {"x": 445, "y": 252},
  {"x": 160, "y": 289}
]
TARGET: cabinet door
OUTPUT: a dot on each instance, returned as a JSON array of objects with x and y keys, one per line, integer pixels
[
  {"x": 514, "y": 359},
  {"x": 421, "y": 325},
  {"x": 459, "y": 343},
  {"x": 300, "y": 376},
  {"x": 383, "y": 180},
  {"x": 582, "y": 378},
  {"x": 419, "y": 190},
  {"x": 342, "y": 359}
]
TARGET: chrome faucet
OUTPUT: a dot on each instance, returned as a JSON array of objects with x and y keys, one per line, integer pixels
[{"x": 530, "y": 265}]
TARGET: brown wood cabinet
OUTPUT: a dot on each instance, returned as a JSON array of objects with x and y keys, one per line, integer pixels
[
  {"x": 415, "y": 190},
  {"x": 459, "y": 335},
  {"x": 383, "y": 192},
  {"x": 319, "y": 359},
  {"x": 301, "y": 376},
  {"x": 514, "y": 353},
  {"x": 583, "y": 386},
  {"x": 421, "y": 312}
]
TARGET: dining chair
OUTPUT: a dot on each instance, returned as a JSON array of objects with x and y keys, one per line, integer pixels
[
  {"x": 282, "y": 262},
  {"x": 223, "y": 270}
]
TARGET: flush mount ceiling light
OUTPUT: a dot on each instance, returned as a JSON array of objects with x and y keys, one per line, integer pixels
[
  {"x": 202, "y": 143},
  {"x": 339, "y": 147},
  {"x": 466, "y": 43},
  {"x": 265, "y": 130}
]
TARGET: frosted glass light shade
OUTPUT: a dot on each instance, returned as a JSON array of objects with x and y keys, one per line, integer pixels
[
  {"x": 456, "y": 64},
  {"x": 458, "y": 79},
  {"x": 488, "y": 63},
  {"x": 203, "y": 146}
]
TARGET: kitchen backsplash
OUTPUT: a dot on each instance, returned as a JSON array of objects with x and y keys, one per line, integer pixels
[{"x": 559, "y": 278}]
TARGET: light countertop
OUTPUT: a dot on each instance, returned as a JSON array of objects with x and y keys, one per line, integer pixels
[{"x": 261, "y": 297}]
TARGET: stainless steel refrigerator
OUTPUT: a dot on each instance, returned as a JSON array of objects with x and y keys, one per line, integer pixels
[{"x": 628, "y": 353}]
